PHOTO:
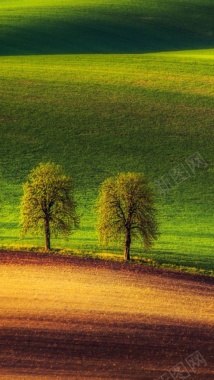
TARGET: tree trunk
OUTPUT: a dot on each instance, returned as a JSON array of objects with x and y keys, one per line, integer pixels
[
  {"x": 127, "y": 244},
  {"x": 47, "y": 235}
]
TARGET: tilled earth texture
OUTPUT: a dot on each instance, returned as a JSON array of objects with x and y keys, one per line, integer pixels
[{"x": 77, "y": 318}]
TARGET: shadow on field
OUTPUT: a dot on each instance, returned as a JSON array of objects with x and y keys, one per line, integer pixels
[
  {"x": 115, "y": 29},
  {"x": 97, "y": 348}
]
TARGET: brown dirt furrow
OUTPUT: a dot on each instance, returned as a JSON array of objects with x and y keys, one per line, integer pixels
[{"x": 75, "y": 318}]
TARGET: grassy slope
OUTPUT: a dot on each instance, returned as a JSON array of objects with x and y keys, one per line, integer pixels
[
  {"x": 77, "y": 26},
  {"x": 98, "y": 115}
]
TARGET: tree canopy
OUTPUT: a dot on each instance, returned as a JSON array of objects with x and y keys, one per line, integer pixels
[
  {"x": 126, "y": 210},
  {"x": 48, "y": 203}
]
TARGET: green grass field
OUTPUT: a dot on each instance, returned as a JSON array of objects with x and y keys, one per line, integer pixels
[{"x": 99, "y": 114}]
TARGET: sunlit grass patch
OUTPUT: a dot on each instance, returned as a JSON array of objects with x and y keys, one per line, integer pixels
[{"x": 89, "y": 113}]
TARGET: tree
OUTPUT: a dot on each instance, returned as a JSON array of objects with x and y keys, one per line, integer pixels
[
  {"x": 48, "y": 203},
  {"x": 126, "y": 210}
]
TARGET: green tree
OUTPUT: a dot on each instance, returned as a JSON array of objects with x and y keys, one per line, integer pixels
[
  {"x": 126, "y": 210},
  {"x": 48, "y": 204}
]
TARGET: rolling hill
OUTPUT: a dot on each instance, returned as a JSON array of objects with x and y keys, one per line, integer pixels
[
  {"x": 104, "y": 26},
  {"x": 99, "y": 114},
  {"x": 71, "y": 318}
]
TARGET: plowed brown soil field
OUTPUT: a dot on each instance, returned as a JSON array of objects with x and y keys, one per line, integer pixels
[{"x": 76, "y": 318}]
